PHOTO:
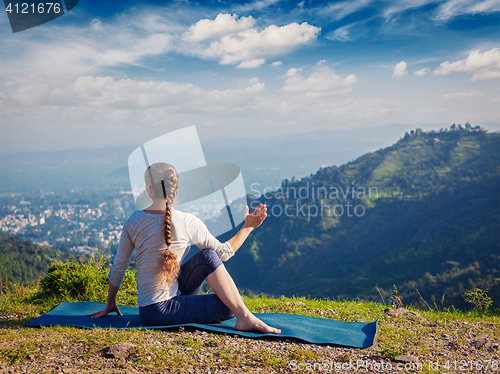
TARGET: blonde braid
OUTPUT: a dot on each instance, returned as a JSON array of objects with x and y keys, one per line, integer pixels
[
  {"x": 163, "y": 180},
  {"x": 171, "y": 268}
]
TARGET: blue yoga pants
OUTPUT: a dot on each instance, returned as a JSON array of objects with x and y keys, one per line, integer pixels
[{"x": 189, "y": 306}]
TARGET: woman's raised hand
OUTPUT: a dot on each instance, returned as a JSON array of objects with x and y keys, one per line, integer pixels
[
  {"x": 256, "y": 218},
  {"x": 252, "y": 221}
]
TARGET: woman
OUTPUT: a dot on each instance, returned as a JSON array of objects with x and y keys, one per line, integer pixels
[{"x": 167, "y": 291}]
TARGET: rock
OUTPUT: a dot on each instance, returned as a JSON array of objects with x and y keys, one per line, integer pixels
[
  {"x": 482, "y": 343},
  {"x": 402, "y": 312},
  {"x": 406, "y": 359},
  {"x": 118, "y": 350}
]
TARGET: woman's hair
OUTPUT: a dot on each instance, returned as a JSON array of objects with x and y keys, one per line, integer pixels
[{"x": 163, "y": 180}]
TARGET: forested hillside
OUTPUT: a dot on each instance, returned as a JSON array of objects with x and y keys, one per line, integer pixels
[
  {"x": 422, "y": 214},
  {"x": 22, "y": 261}
]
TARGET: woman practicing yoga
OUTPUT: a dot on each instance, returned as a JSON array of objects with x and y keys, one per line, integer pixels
[{"x": 167, "y": 291}]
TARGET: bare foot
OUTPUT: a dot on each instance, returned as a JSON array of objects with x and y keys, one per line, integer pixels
[{"x": 252, "y": 323}]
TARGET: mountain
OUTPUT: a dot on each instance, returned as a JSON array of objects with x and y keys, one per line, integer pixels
[
  {"x": 25, "y": 262},
  {"x": 422, "y": 214}
]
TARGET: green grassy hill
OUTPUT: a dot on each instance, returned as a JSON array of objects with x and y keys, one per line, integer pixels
[
  {"x": 432, "y": 223},
  {"x": 428, "y": 336}
]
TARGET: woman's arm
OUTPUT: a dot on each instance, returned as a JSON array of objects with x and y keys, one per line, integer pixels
[
  {"x": 203, "y": 239},
  {"x": 117, "y": 273},
  {"x": 252, "y": 221},
  {"x": 111, "y": 305}
]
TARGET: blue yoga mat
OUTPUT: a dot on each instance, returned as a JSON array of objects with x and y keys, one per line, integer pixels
[{"x": 310, "y": 329}]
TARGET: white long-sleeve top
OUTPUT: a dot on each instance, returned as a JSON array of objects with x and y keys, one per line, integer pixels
[{"x": 145, "y": 232}]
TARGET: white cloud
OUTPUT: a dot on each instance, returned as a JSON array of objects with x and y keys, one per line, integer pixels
[
  {"x": 95, "y": 23},
  {"x": 400, "y": 70},
  {"x": 31, "y": 94},
  {"x": 421, "y": 72},
  {"x": 160, "y": 21},
  {"x": 98, "y": 111},
  {"x": 453, "y": 8},
  {"x": 484, "y": 65},
  {"x": 128, "y": 93},
  {"x": 398, "y": 16},
  {"x": 255, "y": 5},
  {"x": 252, "y": 44},
  {"x": 395, "y": 8},
  {"x": 108, "y": 93},
  {"x": 321, "y": 83},
  {"x": 251, "y": 90},
  {"x": 223, "y": 24},
  {"x": 459, "y": 95},
  {"x": 130, "y": 41},
  {"x": 250, "y": 64},
  {"x": 238, "y": 42},
  {"x": 351, "y": 31},
  {"x": 83, "y": 51},
  {"x": 292, "y": 71},
  {"x": 447, "y": 9},
  {"x": 275, "y": 64},
  {"x": 339, "y": 10},
  {"x": 341, "y": 34}
]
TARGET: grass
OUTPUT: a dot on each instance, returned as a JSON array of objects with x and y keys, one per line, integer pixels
[{"x": 191, "y": 349}]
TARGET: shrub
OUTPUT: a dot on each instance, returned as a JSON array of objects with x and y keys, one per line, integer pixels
[{"x": 83, "y": 282}]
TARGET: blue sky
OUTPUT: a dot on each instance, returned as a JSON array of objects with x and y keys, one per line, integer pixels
[{"x": 122, "y": 73}]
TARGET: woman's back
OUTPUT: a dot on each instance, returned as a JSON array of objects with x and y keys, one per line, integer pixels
[{"x": 145, "y": 232}]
